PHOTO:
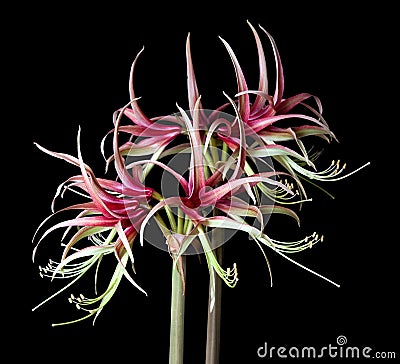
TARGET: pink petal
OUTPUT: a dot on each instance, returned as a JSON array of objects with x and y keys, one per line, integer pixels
[
  {"x": 193, "y": 92},
  {"x": 286, "y": 105},
  {"x": 263, "y": 82},
  {"x": 244, "y": 103},
  {"x": 138, "y": 115},
  {"x": 279, "y": 70},
  {"x": 196, "y": 172}
]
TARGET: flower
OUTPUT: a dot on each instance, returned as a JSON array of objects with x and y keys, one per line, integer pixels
[
  {"x": 221, "y": 178},
  {"x": 109, "y": 220},
  {"x": 266, "y": 111}
]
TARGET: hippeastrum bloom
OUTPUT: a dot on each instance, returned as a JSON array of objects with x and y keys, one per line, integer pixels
[
  {"x": 155, "y": 135},
  {"x": 263, "y": 115},
  {"x": 221, "y": 178},
  {"x": 109, "y": 221},
  {"x": 152, "y": 137},
  {"x": 218, "y": 192}
]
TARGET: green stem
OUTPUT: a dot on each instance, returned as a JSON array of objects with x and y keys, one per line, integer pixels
[
  {"x": 177, "y": 314},
  {"x": 214, "y": 317}
]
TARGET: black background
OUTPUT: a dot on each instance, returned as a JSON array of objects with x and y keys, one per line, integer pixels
[{"x": 81, "y": 62}]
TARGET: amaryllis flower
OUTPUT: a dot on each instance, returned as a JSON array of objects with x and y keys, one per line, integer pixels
[
  {"x": 264, "y": 114},
  {"x": 219, "y": 192},
  {"x": 109, "y": 220},
  {"x": 149, "y": 137}
]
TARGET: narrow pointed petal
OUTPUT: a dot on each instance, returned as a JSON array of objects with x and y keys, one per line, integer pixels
[
  {"x": 178, "y": 177},
  {"x": 236, "y": 206},
  {"x": 279, "y": 70},
  {"x": 122, "y": 264},
  {"x": 140, "y": 118},
  {"x": 273, "y": 150},
  {"x": 262, "y": 123},
  {"x": 228, "y": 223},
  {"x": 93, "y": 189},
  {"x": 211, "y": 197},
  {"x": 193, "y": 92},
  {"x": 274, "y": 209},
  {"x": 85, "y": 252},
  {"x": 81, "y": 234},
  {"x": 263, "y": 82},
  {"x": 125, "y": 242},
  {"x": 244, "y": 102},
  {"x": 287, "y": 105},
  {"x": 131, "y": 185},
  {"x": 242, "y": 143},
  {"x": 196, "y": 173}
]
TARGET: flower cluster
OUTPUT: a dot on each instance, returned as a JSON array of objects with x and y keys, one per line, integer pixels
[{"x": 243, "y": 166}]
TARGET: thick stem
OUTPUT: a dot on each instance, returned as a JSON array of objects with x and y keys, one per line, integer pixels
[
  {"x": 177, "y": 314},
  {"x": 214, "y": 317}
]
